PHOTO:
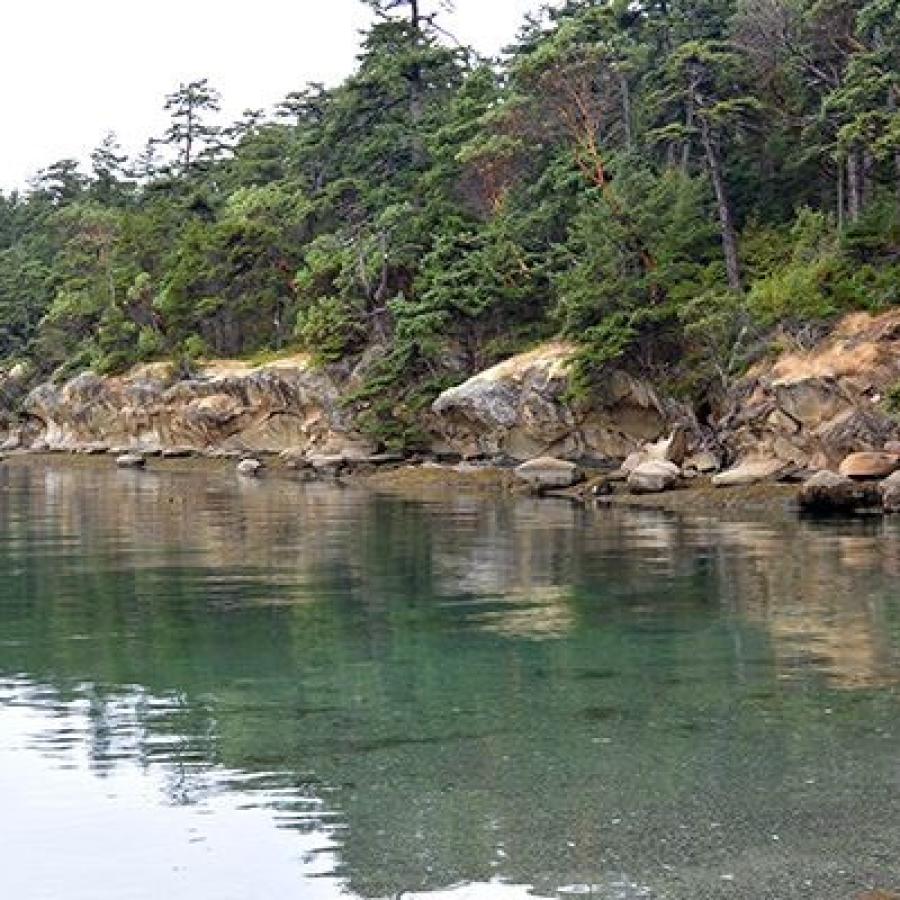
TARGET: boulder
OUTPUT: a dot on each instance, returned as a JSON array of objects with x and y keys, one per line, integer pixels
[
  {"x": 869, "y": 465},
  {"x": 548, "y": 472},
  {"x": 131, "y": 461},
  {"x": 892, "y": 447},
  {"x": 250, "y": 468},
  {"x": 703, "y": 463},
  {"x": 890, "y": 493},
  {"x": 827, "y": 492},
  {"x": 653, "y": 476},
  {"x": 750, "y": 471}
]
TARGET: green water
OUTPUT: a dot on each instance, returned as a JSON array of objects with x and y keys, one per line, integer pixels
[{"x": 216, "y": 689}]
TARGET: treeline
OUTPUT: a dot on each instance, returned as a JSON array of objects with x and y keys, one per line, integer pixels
[{"x": 662, "y": 181}]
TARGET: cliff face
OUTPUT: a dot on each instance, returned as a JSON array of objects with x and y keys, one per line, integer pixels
[
  {"x": 227, "y": 405},
  {"x": 519, "y": 409},
  {"x": 815, "y": 407},
  {"x": 810, "y": 408}
]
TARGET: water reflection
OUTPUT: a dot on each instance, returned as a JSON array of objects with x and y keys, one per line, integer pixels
[{"x": 459, "y": 697}]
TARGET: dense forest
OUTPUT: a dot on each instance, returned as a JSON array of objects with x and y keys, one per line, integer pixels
[{"x": 662, "y": 181}]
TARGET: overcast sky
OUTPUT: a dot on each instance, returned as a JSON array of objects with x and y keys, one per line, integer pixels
[{"x": 70, "y": 70}]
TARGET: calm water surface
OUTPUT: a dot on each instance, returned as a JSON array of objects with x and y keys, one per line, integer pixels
[{"x": 214, "y": 689}]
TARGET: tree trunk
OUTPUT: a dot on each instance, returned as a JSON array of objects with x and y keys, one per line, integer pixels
[
  {"x": 416, "y": 103},
  {"x": 626, "y": 111},
  {"x": 726, "y": 220},
  {"x": 686, "y": 145},
  {"x": 854, "y": 186},
  {"x": 840, "y": 196}
]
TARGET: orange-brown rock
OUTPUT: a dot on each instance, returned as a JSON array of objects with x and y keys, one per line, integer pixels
[{"x": 869, "y": 465}]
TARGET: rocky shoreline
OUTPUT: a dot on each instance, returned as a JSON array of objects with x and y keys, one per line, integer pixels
[{"x": 808, "y": 426}]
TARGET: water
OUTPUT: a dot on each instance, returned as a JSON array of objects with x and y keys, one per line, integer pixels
[{"x": 236, "y": 690}]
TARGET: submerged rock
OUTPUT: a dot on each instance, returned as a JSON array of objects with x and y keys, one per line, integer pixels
[
  {"x": 653, "y": 477},
  {"x": 546, "y": 472}
]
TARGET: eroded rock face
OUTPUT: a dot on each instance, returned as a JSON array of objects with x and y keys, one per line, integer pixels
[
  {"x": 228, "y": 405},
  {"x": 814, "y": 408},
  {"x": 520, "y": 409}
]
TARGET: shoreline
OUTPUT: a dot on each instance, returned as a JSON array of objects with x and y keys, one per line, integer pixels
[{"x": 435, "y": 480}]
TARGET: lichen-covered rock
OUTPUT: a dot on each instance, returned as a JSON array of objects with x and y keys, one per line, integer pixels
[
  {"x": 870, "y": 465},
  {"x": 653, "y": 477},
  {"x": 546, "y": 472},
  {"x": 521, "y": 409}
]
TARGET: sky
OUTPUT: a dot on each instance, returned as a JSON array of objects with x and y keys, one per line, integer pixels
[{"x": 71, "y": 70}]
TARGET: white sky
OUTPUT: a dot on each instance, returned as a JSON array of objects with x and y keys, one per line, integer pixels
[{"x": 70, "y": 70}]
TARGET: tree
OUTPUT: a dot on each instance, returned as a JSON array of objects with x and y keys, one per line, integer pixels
[
  {"x": 190, "y": 135},
  {"x": 108, "y": 168},
  {"x": 705, "y": 76}
]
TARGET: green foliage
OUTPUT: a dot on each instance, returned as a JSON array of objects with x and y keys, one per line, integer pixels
[
  {"x": 328, "y": 329},
  {"x": 663, "y": 184}
]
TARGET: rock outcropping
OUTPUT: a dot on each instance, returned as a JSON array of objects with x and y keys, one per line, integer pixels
[
  {"x": 520, "y": 409},
  {"x": 804, "y": 410},
  {"x": 227, "y": 405},
  {"x": 813, "y": 408}
]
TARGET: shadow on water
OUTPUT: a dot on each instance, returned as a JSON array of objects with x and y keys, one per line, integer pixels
[{"x": 464, "y": 692}]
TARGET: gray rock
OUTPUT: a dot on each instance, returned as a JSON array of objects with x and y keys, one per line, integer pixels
[
  {"x": 250, "y": 468},
  {"x": 96, "y": 448},
  {"x": 177, "y": 452},
  {"x": 131, "y": 461},
  {"x": 750, "y": 471},
  {"x": 703, "y": 463},
  {"x": 547, "y": 472},
  {"x": 672, "y": 449},
  {"x": 653, "y": 476},
  {"x": 890, "y": 493},
  {"x": 828, "y": 492}
]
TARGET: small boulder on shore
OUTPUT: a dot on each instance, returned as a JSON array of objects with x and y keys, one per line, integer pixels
[
  {"x": 750, "y": 471},
  {"x": 890, "y": 493},
  {"x": 653, "y": 477},
  {"x": 704, "y": 463},
  {"x": 131, "y": 461},
  {"x": 828, "y": 492},
  {"x": 869, "y": 465},
  {"x": 249, "y": 468},
  {"x": 547, "y": 472}
]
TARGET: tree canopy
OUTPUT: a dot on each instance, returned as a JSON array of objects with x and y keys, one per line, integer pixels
[{"x": 660, "y": 182}]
